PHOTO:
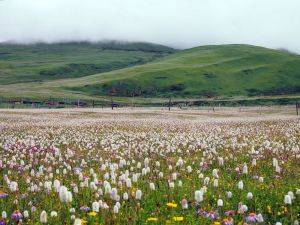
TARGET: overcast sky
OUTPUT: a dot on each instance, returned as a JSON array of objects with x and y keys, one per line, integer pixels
[{"x": 177, "y": 23}]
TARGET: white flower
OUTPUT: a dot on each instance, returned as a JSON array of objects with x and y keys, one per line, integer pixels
[
  {"x": 243, "y": 209},
  {"x": 116, "y": 209},
  {"x": 152, "y": 186},
  {"x": 138, "y": 195},
  {"x": 287, "y": 200},
  {"x": 95, "y": 206},
  {"x": 72, "y": 210},
  {"x": 77, "y": 221},
  {"x": 174, "y": 176},
  {"x": 56, "y": 184},
  {"x": 198, "y": 196},
  {"x": 180, "y": 183},
  {"x": 53, "y": 214},
  {"x": 278, "y": 223},
  {"x": 171, "y": 185},
  {"x": 291, "y": 194},
  {"x": 216, "y": 182},
  {"x": 125, "y": 196},
  {"x": 63, "y": 193},
  {"x": 69, "y": 197},
  {"x": 43, "y": 217},
  {"x": 206, "y": 180},
  {"x": 160, "y": 174},
  {"x": 25, "y": 214},
  {"x": 134, "y": 178},
  {"x": 249, "y": 195},
  {"x": 221, "y": 161},
  {"x": 13, "y": 186},
  {"x": 260, "y": 218},
  {"x": 4, "y": 215},
  {"x": 184, "y": 204},
  {"x": 220, "y": 203},
  {"x": 215, "y": 173},
  {"x": 128, "y": 183},
  {"x": 229, "y": 194},
  {"x": 245, "y": 169},
  {"x": 241, "y": 185}
]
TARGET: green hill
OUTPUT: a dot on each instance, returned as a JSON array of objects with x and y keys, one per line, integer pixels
[
  {"x": 40, "y": 62},
  {"x": 210, "y": 71},
  {"x": 221, "y": 71}
]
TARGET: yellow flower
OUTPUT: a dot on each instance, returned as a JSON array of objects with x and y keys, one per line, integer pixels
[
  {"x": 84, "y": 221},
  {"x": 178, "y": 218},
  {"x": 152, "y": 219},
  {"x": 217, "y": 223},
  {"x": 92, "y": 214},
  {"x": 172, "y": 205}
]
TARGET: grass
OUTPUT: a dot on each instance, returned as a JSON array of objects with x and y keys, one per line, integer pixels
[
  {"x": 40, "y": 62},
  {"x": 231, "y": 70},
  {"x": 208, "y": 72}
]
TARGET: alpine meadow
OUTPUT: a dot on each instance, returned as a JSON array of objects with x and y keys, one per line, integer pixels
[{"x": 149, "y": 112}]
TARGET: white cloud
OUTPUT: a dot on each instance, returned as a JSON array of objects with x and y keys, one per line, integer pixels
[{"x": 178, "y": 23}]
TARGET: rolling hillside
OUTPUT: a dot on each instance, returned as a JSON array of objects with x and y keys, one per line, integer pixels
[
  {"x": 210, "y": 71},
  {"x": 40, "y": 62},
  {"x": 222, "y": 71}
]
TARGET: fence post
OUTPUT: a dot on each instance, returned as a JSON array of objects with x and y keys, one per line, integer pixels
[{"x": 297, "y": 108}]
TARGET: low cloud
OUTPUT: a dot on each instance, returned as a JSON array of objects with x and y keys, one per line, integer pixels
[{"x": 177, "y": 23}]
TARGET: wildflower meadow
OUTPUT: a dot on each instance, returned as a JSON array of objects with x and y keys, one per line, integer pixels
[{"x": 148, "y": 167}]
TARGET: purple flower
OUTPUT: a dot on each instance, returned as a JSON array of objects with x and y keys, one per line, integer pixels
[
  {"x": 251, "y": 217},
  {"x": 77, "y": 169},
  {"x": 16, "y": 215},
  {"x": 24, "y": 195},
  {"x": 201, "y": 212},
  {"x": 2, "y": 222},
  {"x": 230, "y": 213},
  {"x": 3, "y": 195},
  {"x": 85, "y": 208},
  {"x": 212, "y": 214}
]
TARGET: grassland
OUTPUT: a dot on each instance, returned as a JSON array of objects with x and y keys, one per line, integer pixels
[
  {"x": 41, "y": 62},
  {"x": 208, "y": 72}
]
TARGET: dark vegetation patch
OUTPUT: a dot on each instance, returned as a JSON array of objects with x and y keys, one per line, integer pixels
[
  {"x": 158, "y": 78},
  {"x": 82, "y": 69},
  {"x": 210, "y": 75},
  {"x": 274, "y": 91}
]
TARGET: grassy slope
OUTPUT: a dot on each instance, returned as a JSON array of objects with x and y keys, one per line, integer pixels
[
  {"x": 228, "y": 70},
  {"x": 222, "y": 71},
  {"x": 40, "y": 62}
]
